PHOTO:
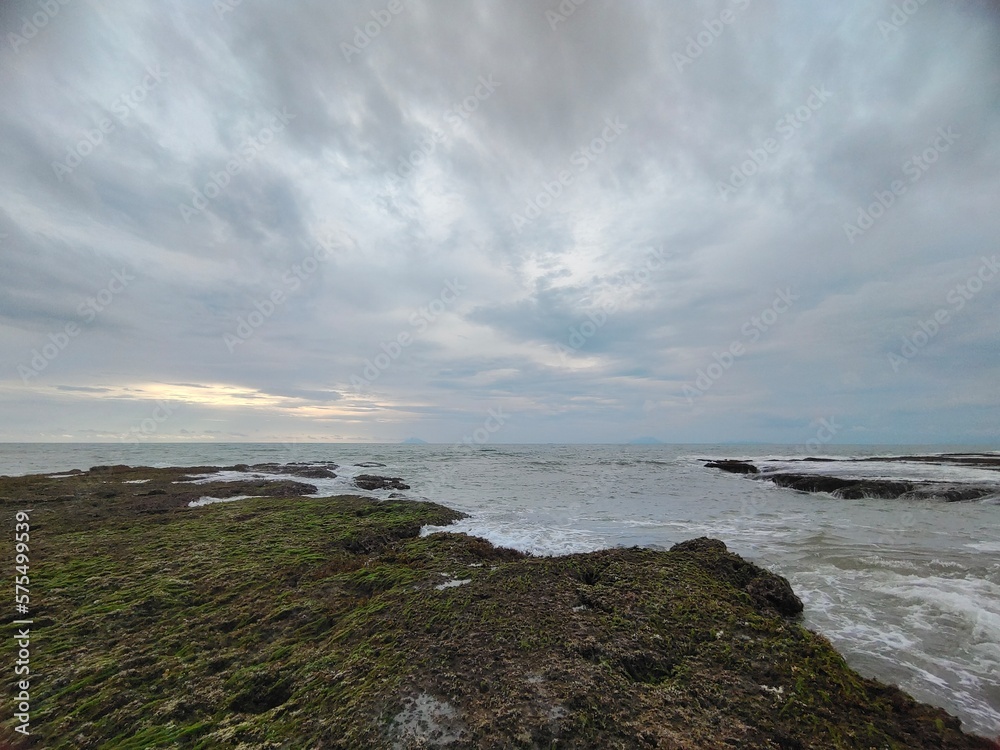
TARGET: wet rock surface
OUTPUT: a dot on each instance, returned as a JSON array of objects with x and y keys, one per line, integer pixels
[
  {"x": 857, "y": 488},
  {"x": 318, "y": 470},
  {"x": 375, "y": 482},
  {"x": 977, "y": 460},
  {"x": 733, "y": 466},
  {"x": 884, "y": 488},
  {"x": 847, "y": 488}
]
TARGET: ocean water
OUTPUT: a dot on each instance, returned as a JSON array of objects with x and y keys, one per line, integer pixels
[{"x": 908, "y": 591}]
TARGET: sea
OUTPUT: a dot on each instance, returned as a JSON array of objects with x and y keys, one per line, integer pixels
[{"x": 907, "y": 590}]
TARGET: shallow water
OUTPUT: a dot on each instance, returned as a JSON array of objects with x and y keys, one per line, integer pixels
[{"x": 908, "y": 591}]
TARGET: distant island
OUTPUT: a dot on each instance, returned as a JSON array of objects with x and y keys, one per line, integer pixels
[{"x": 414, "y": 441}]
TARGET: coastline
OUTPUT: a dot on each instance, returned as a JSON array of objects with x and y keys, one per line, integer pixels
[
  {"x": 241, "y": 622},
  {"x": 852, "y": 484}
]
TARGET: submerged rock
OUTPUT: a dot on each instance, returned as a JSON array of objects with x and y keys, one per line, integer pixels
[
  {"x": 907, "y": 489},
  {"x": 846, "y": 488},
  {"x": 733, "y": 466}
]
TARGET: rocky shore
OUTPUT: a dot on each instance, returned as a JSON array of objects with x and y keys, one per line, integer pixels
[
  {"x": 289, "y": 621},
  {"x": 856, "y": 487}
]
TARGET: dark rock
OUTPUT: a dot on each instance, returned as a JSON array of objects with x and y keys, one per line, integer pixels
[
  {"x": 733, "y": 466},
  {"x": 314, "y": 472},
  {"x": 851, "y": 489},
  {"x": 955, "y": 494},
  {"x": 109, "y": 469},
  {"x": 310, "y": 471},
  {"x": 701, "y": 544},
  {"x": 270, "y": 468},
  {"x": 374, "y": 482},
  {"x": 268, "y": 488},
  {"x": 979, "y": 460},
  {"x": 776, "y": 592}
]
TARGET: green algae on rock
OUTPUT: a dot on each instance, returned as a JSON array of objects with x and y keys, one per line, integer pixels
[{"x": 288, "y": 621}]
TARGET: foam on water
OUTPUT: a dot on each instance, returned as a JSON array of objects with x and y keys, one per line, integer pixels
[
  {"x": 890, "y": 470},
  {"x": 534, "y": 539},
  {"x": 936, "y": 636},
  {"x": 984, "y": 546},
  {"x": 342, "y": 484},
  {"x": 206, "y": 500}
]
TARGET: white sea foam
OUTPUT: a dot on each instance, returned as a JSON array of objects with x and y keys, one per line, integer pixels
[
  {"x": 531, "y": 538},
  {"x": 453, "y": 583},
  {"x": 202, "y": 501},
  {"x": 889, "y": 470},
  {"x": 984, "y": 546},
  {"x": 342, "y": 484},
  {"x": 937, "y": 636}
]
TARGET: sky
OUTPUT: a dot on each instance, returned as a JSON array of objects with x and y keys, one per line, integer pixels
[{"x": 508, "y": 222}]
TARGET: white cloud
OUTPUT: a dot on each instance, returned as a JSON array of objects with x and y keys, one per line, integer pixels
[{"x": 355, "y": 163}]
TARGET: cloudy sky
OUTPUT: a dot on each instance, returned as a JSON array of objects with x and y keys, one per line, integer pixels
[{"x": 548, "y": 222}]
